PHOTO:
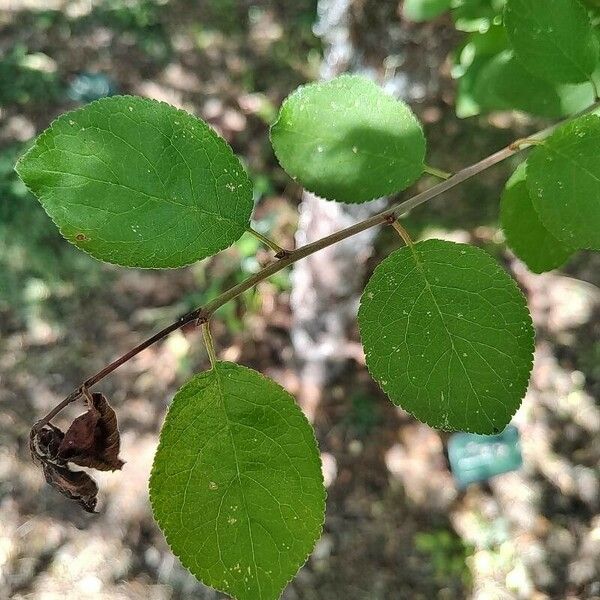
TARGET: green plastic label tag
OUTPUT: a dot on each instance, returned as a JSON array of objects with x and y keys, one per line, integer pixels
[{"x": 478, "y": 457}]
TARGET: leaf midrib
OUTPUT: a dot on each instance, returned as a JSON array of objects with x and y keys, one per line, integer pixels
[
  {"x": 421, "y": 268},
  {"x": 238, "y": 474},
  {"x": 191, "y": 207}
]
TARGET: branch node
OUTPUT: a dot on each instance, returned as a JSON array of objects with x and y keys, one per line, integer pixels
[
  {"x": 524, "y": 143},
  {"x": 84, "y": 390},
  {"x": 37, "y": 426},
  {"x": 202, "y": 318}
]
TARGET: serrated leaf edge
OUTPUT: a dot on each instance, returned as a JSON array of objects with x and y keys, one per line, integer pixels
[
  {"x": 317, "y": 455},
  {"x": 344, "y": 77},
  {"x": 508, "y": 234},
  {"x": 204, "y": 125},
  {"x": 530, "y": 328}
]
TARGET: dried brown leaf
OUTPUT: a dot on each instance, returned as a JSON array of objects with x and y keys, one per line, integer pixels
[
  {"x": 76, "y": 485},
  {"x": 44, "y": 443},
  {"x": 93, "y": 438}
]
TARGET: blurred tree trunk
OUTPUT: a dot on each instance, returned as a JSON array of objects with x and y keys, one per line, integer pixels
[{"x": 366, "y": 37}]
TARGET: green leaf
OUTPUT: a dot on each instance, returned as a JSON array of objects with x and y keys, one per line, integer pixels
[
  {"x": 553, "y": 40},
  {"x": 139, "y": 183},
  {"x": 504, "y": 84},
  {"x": 347, "y": 140},
  {"x": 236, "y": 484},
  {"x": 491, "y": 78},
  {"x": 563, "y": 177},
  {"x": 424, "y": 10},
  {"x": 447, "y": 335},
  {"x": 470, "y": 60},
  {"x": 524, "y": 231}
]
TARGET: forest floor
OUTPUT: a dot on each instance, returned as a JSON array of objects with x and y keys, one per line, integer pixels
[{"x": 397, "y": 526}]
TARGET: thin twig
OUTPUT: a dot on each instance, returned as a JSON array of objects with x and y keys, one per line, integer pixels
[{"x": 203, "y": 313}]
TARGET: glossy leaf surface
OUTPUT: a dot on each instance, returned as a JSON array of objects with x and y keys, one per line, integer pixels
[
  {"x": 525, "y": 233},
  {"x": 563, "y": 177},
  {"x": 553, "y": 39},
  {"x": 347, "y": 140}
]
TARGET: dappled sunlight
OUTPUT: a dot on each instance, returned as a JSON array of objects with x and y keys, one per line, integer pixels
[
  {"x": 330, "y": 469},
  {"x": 420, "y": 467}
]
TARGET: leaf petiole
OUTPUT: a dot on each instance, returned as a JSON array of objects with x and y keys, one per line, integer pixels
[
  {"x": 436, "y": 172},
  {"x": 402, "y": 233},
  {"x": 279, "y": 251},
  {"x": 208, "y": 342},
  {"x": 522, "y": 143},
  {"x": 596, "y": 87}
]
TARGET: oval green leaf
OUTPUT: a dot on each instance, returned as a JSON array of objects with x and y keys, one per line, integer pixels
[
  {"x": 347, "y": 140},
  {"x": 424, "y": 10},
  {"x": 236, "y": 484},
  {"x": 447, "y": 335},
  {"x": 525, "y": 233},
  {"x": 552, "y": 39},
  {"x": 504, "y": 84},
  {"x": 563, "y": 177},
  {"x": 470, "y": 61},
  {"x": 139, "y": 183}
]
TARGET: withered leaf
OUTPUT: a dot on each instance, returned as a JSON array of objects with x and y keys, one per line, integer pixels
[
  {"x": 93, "y": 438},
  {"x": 44, "y": 443},
  {"x": 76, "y": 485}
]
